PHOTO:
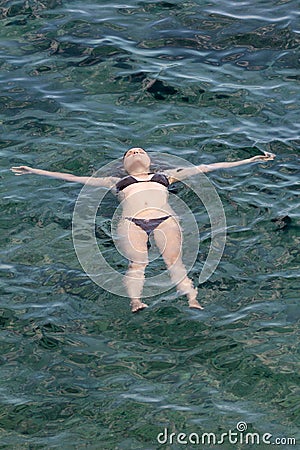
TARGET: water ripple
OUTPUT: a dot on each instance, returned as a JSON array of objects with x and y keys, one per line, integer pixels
[{"x": 207, "y": 81}]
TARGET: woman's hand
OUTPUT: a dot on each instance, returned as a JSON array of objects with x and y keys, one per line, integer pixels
[
  {"x": 266, "y": 157},
  {"x": 22, "y": 170}
]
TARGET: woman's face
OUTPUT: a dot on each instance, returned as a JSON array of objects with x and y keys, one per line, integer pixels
[{"x": 136, "y": 160}]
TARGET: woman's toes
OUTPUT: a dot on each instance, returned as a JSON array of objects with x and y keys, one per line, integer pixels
[
  {"x": 195, "y": 304},
  {"x": 137, "y": 306}
]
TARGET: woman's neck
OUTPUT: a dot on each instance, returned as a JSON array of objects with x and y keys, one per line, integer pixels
[{"x": 139, "y": 173}]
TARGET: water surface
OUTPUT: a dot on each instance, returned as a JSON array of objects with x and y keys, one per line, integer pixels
[{"x": 203, "y": 80}]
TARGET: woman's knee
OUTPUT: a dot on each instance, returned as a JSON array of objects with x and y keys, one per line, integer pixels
[
  {"x": 135, "y": 266},
  {"x": 172, "y": 259}
]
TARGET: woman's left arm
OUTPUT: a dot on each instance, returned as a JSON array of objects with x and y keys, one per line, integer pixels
[
  {"x": 180, "y": 174},
  {"x": 108, "y": 182}
]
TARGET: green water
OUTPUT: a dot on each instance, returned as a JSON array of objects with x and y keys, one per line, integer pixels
[{"x": 206, "y": 81}]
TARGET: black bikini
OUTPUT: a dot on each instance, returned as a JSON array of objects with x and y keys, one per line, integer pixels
[
  {"x": 127, "y": 181},
  {"x": 148, "y": 225}
]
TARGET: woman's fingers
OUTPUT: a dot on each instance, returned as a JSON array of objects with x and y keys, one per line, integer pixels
[
  {"x": 266, "y": 157},
  {"x": 17, "y": 170},
  {"x": 21, "y": 170},
  {"x": 270, "y": 155}
]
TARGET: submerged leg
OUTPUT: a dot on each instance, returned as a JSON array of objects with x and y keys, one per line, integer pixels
[
  {"x": 134, "y": 282},
  {"x": 133, "y": 244},
  {"x": 168, "y": 238}
]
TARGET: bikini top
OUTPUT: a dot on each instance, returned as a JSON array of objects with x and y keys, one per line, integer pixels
[{"x": 127, "y": 181}]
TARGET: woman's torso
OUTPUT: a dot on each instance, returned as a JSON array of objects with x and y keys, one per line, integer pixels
[{"x": 144, "y": 196}]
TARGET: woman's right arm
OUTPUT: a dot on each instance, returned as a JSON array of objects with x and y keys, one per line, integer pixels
[
  {"x": 108, "y": 182},
  {"x": 181, "y": 174}
]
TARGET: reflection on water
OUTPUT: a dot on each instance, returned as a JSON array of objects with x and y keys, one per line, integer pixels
[{"x": 206, "y": 81}]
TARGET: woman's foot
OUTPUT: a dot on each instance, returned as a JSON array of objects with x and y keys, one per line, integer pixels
[
  {"x": 192, "y": 297},
  {"x": 137, "y": 305},
  {"x": 195, "y": 304}
]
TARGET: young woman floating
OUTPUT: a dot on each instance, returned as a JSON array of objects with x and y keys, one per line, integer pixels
[{"x": 146, "y": 210}]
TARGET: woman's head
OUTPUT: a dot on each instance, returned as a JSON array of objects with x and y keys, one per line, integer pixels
[{"x": 136, "y": 160}]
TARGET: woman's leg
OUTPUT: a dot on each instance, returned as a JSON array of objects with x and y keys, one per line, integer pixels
[
  {"x": 133, "y": 243},
  {"x": 168, "y": 238}
]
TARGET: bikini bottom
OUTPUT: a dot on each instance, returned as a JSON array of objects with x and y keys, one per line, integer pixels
[{"x": 148, "y": 225}]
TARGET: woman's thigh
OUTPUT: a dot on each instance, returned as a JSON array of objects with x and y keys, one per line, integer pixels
[
  {"x": 132, "y": 242},
  {"x": 168, "y": 238}
]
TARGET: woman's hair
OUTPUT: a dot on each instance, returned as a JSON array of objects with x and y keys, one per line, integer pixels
[{"x": 125, "y": 154}]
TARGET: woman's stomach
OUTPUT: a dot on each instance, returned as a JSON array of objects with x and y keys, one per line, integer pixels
[
  {"x": 147, "y": 212},
  {"x": 146, "y": 203}
]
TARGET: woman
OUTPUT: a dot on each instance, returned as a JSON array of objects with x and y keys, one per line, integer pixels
[{"x": 146, "y": 210}]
